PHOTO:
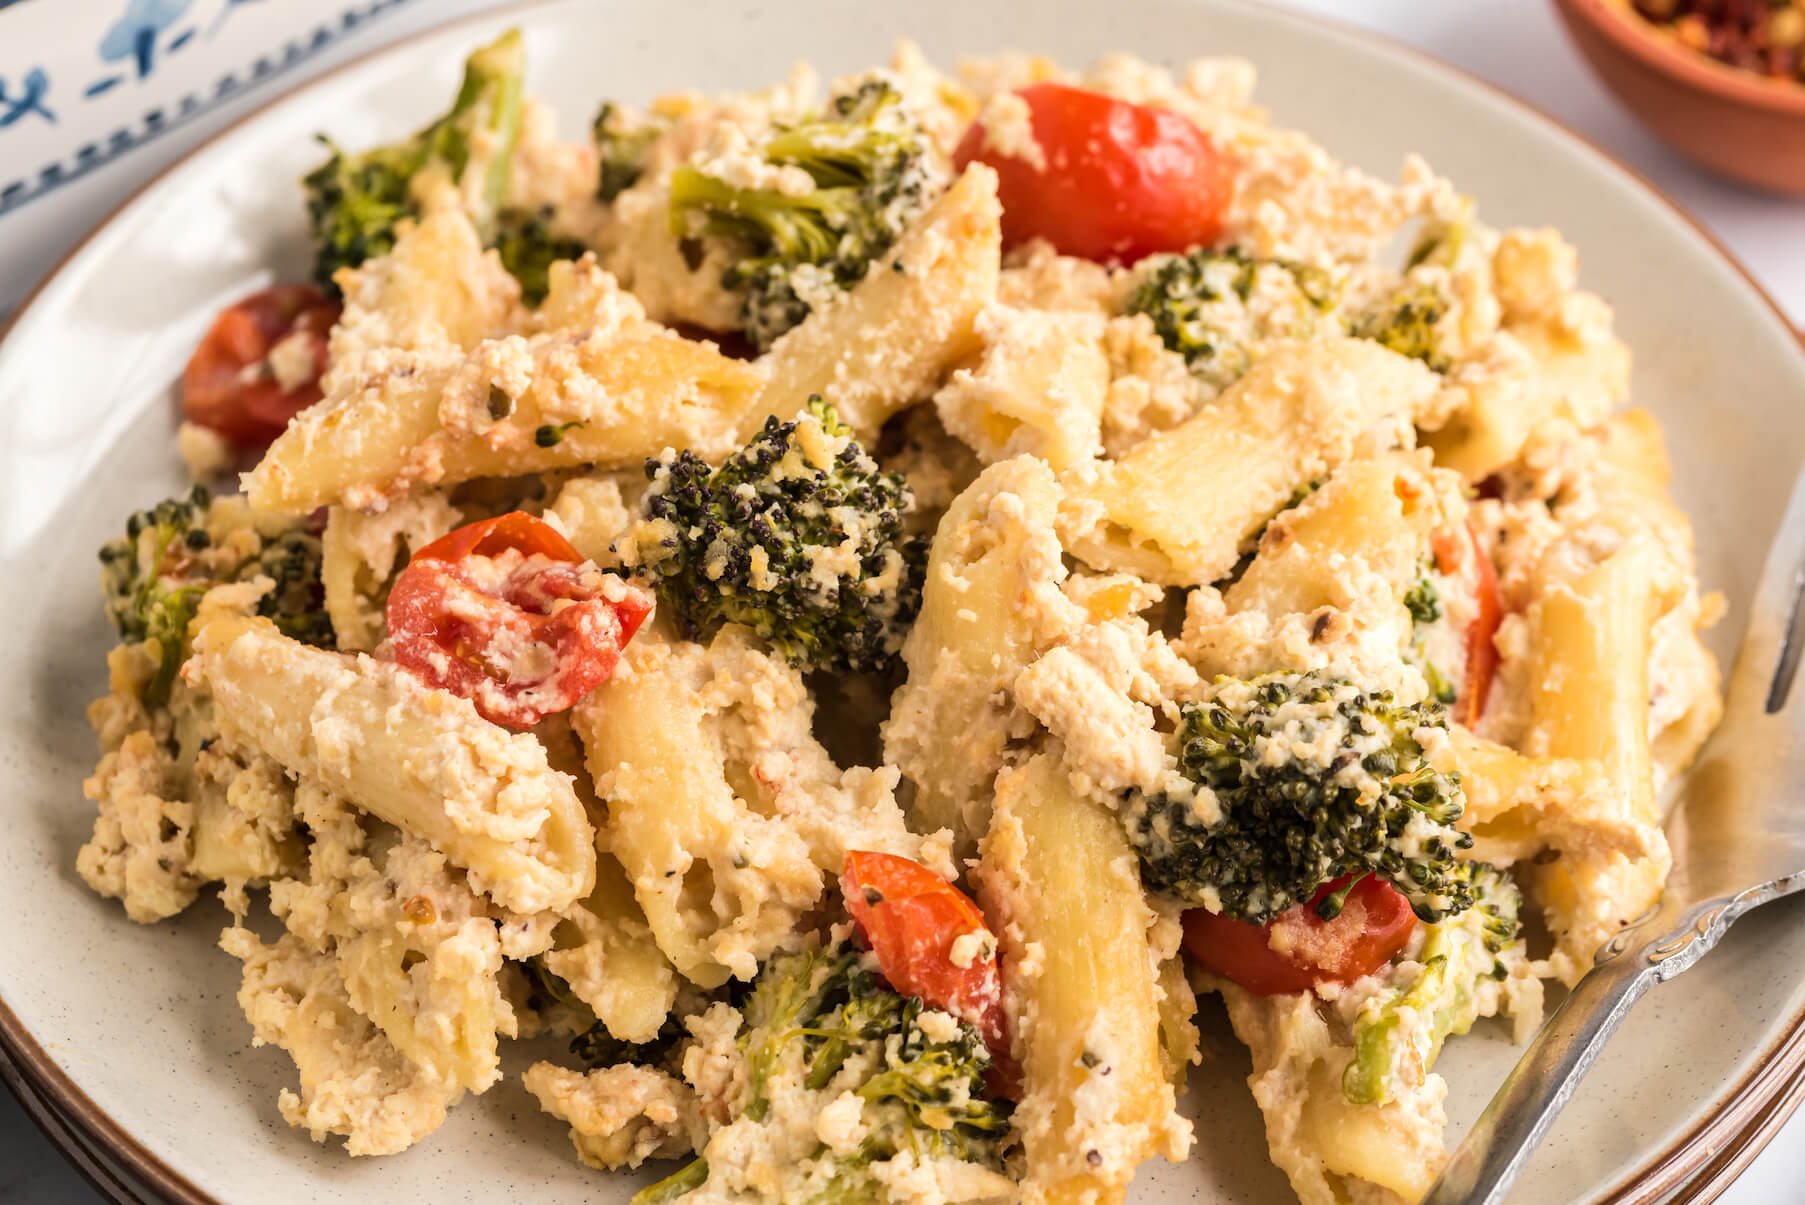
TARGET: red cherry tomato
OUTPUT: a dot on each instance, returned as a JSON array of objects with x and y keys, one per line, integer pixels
[
  {"x": 515, "y": 530},
  {"x": 1374, "y": 924},
  {"x": 1488, "y": 613},
  {"x": 508, "y": 615},
  {"x": 230, "y": 385},
  {"x": 1119, "y": 181},
  {"x": 912, "y": 917}
]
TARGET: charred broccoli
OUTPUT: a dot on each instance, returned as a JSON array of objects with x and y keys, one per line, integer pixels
[
  {"x": 528, "y": 248},
  {"x": 596, "y": 1047},
  {"x": 798, "y": 536},
  {"x": 296, "y": 604},
  {"x": 1198, "y": 304},
  {"x": 154, "y": 576},
  {"x": 826, "y": 1018},
  {"x": 865, "y": 156},
  {"x": 1301, "y": 778},
  {"x": 355, "y": 201},
  {"x": 621, "y": 144},
  {"x": 1398, "y": 1034}
]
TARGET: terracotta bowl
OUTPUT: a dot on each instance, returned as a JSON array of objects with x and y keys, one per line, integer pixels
[{"x": 1736, "y": 123}]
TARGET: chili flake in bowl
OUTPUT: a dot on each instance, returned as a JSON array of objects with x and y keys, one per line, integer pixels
[{"x": 1721, "y": 81}]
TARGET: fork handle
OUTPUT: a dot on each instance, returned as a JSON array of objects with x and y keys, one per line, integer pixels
[{"x": 1482, "y": 1170}]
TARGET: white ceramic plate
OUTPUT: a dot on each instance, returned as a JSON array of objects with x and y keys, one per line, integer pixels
[{"x": 133, "y": 1031}]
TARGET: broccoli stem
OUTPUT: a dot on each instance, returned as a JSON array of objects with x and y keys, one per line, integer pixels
[
  {"x": 355, "y": 202},
  {"x": 495, "y": 75},
  {"x": 1398, "y": 1036},
  {"x": 680, "y": 1183}
]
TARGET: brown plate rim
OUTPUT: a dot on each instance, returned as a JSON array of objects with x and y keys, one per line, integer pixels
[{"x": 1693, "y": 1169}]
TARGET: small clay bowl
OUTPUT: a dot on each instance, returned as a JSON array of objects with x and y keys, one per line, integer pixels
[{"x": 1736, "y": 123}]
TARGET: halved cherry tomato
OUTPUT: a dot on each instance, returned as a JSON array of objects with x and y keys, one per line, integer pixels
[
  {"x": 230, "y": 384},
  {"x": 1488, "y": 613},
  {"x": 912, "y": 917},
  {"x": 1373, "y": 926},
  {"x": 507, "y": 614},
  {"x": 515, "y": 530},
  {"x": 1119, "y": 181}
]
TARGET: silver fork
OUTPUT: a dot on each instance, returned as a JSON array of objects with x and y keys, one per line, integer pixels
[{"x": 1738, "y": 838}]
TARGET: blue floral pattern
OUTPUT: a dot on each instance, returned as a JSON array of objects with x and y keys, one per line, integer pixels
[{"x": 132, "y": 47}]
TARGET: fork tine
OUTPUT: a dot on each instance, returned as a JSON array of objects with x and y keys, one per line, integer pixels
[
  {"x": 1792, "y": 642},
  {"x": 1769, "y": 660}
]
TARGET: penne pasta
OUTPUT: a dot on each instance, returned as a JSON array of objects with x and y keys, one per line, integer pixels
[
  {"x": 608, "y": 955},
  {"x": 611, "y": 394},
  {"x": 1589, "y": 699},
  {"x": 421, "y": 759},
  {"x": 721, "y": 886},
  {"x": 1058, "y": 877},
  {"x": 1158, "y": 512},
  {"x": 990, "y": 603}
]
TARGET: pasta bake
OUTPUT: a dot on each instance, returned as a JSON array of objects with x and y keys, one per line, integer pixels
[{"x": 834, "y": 615}]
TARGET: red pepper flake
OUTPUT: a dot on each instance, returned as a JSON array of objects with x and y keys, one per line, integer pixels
[{"x": 1765, "y": 37}]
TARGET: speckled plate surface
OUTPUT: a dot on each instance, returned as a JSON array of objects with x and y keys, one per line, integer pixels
[{"x": 131, "y": 1033}]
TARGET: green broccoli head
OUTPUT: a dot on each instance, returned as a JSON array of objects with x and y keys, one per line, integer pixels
[
  {"x": 149, "y": 583},
  {"x": 1405, "y": 321},
  {"x": 1175, "y": 294},
  {"x": 528, "y": 247},
  {"x": 828, "y": 1015},
  {"x": 1313, "y": 778},
  {"x": 596, "y": 1047},
  {"x": 866, "y": 157},
  {"x": 621, "y": 144},
  {"x": 355, "y": 201},
  {"x": 153, "y": 578},
  {"x": 798, "y": 536},
  {"x": 1399, "y": 1033},
  {"x": 297, "y": 602},
  {"x": 1423, "y": 601},
  {"x": 1197, "y": 303}
]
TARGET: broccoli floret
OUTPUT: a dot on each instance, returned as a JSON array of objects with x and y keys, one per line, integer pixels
[
  {"x": 1174, "y": 294},
  {"x": 1405, "y": 321},
  {"x": 827, "y": 1014},
  {"x": 297, "y": 603},
  {"x": 1398, "y": 1034},
  {"x": 146, "y": 577},
  {"x": 528, "y": 248},
  {"x": 620, "y": 145},
  {"x": 798, "y": 536},
  {"x": 1188, "y": 297},
  {"x": 1314, "y": 778},
  {"x": 1423, "y": 601},
  {"x": 355, "y": 201},
  {"x": 153, "y": 578},
  {"x": 865, "y": 155},
  {"x": 596, "y": 1047}
]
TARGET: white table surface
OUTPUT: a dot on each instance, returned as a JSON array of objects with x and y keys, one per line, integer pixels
[{"x": 1513, "y": 43}]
